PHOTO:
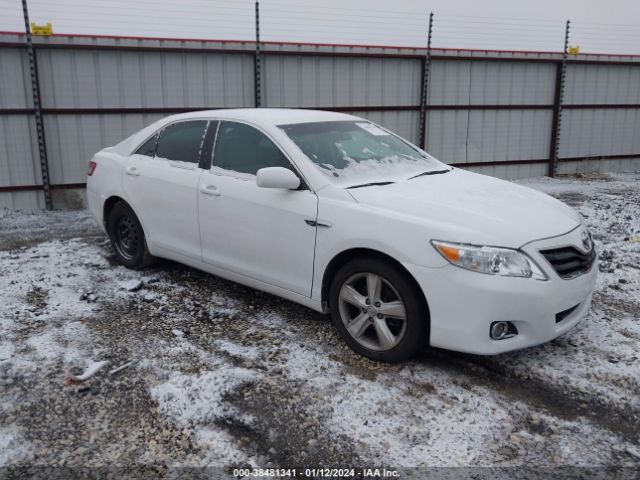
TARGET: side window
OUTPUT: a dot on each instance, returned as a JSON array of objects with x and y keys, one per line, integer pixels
[
  {"x": 182, "y": 141},
  {"x": 148, "y": 148},
  {"x": 243, "y": 149}
]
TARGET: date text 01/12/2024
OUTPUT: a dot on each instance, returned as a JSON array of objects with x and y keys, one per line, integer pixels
[{"x": 316, "y": 473}]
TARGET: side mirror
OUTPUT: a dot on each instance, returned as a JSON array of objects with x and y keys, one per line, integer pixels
[{"x": 277, "y": 177}]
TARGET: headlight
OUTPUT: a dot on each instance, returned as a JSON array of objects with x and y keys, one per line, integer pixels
[{"x": 489, "y": 260}]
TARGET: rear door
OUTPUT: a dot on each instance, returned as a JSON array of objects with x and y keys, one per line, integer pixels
[
  {"x": 263, "y": 233},
  {"x": 161, "y": 180}
]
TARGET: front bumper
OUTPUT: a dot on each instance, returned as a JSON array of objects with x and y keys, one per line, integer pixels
[{"x": 463, "y": 304}]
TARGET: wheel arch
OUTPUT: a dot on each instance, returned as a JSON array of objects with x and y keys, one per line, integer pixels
[
  {"x": 347, "y": 255},
  {"x": 108, "y": 205}
]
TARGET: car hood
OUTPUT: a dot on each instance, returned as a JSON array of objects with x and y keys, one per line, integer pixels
[{"x": 467, "y": 207}]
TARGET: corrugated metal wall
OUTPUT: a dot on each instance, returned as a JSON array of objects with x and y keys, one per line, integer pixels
[
  {"x": 120, "y": 79},
  {"x": 494, "y": 114},
  {"x": 74, "y": 80},
  {"x": 19, "y": 161},
  {"x": 297, "y": 81},
  {"x": 336, "y": 82},
  {"x": 490, "y": 133},
  {"x": 598, "y": 130}
]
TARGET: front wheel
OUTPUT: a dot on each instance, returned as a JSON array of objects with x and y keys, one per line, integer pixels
[
  {"x": 127, "y": 237},
  {"x": 378, "y": 310}
]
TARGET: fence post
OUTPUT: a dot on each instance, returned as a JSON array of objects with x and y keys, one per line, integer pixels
[
  {"x": 35, "y": 88},
  {"x": 257, "y": 66},
  {"x": 426, "y": 61},
  {"x": 556, "y": 120}
]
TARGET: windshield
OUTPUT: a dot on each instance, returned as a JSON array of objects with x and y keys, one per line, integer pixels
[{"x": 353, "y": 152}]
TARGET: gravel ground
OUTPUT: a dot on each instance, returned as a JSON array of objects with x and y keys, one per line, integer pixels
[{"x": 226, "y": 376}]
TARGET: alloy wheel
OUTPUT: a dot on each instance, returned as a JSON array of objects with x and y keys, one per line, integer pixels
[{"x": 372, "y": 311}]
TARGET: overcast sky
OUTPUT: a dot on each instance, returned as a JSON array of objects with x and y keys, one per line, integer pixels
[{"x": 611, "y": 26}]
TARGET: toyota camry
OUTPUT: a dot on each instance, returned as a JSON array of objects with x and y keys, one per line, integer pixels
[{"x": 339, "y": 214}]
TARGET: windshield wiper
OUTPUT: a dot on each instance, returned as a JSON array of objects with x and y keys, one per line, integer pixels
[
  {"x": 370, "y": 184},
  {"x": 430, "y": 172}
]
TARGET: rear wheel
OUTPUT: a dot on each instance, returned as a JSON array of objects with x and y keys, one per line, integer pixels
[
  {"x": 127, "y": 237},
  {"x": 378, "y": 310}
]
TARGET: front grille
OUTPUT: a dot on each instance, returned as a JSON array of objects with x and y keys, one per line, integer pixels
[
  {"x": 569, "y": 262},
  {"x": 565, "y": 313}
]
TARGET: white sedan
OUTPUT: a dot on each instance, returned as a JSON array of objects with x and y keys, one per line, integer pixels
[{"x": 339, "y": 214}]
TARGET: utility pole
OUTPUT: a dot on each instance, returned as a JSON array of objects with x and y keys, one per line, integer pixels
[
  {"x": 556, "y": 121},
  {"x": 425, "y": 87},
  {"x": 257, "y": 65},
  {"x": 37, "y": 106}
]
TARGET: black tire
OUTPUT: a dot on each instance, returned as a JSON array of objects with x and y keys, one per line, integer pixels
[
  {"x": 411, "y": 338},
  {"x": 127, "y": 237}
]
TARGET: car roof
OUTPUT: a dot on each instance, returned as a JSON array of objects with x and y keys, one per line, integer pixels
[
  {"x": 270, "y": 116},
  {"x": 263, "y": 117}
]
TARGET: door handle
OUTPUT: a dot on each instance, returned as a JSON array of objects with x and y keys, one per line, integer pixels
[
  {"x": 210, "y": 190},
  {"x": 133, "y": 171},
  {"x": 317, "y": 223}
]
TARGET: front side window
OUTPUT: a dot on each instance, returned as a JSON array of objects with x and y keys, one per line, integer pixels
[
  {"x": 243, "y": 149},
  {"x": 182, "y": 141},
  {"x": 359, "y": 151}
]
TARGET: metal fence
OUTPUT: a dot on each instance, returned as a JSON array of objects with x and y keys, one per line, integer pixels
[{"x": 509, "y": 114}]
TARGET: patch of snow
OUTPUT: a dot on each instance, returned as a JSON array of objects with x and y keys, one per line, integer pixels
[
  {"x": 64, "y": 343},
  {"x": 7, "y": 348},
  {"x": 57, "y": 269},
  {"x": 568, "y": 443},
  {"x": 393, "y": 168},
  {"x": 131, "y": 285},
  {"x": 435, "y": 423},
  {"x": 18, "y": 227},
  {"x": 198, "y": 399},
  {"x": 46, "y": 299},
  {"x": 633, "y": 450},
  {"x": 220, "y": 306},
  {"x": 244, "y": 351},
  {"x": 13, "y": 447},
  {"x": 148, "y": 296},
  {"x": 220, "y": 448}
]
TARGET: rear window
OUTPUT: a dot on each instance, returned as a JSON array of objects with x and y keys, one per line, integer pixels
[{"x": 182, "y": 141}]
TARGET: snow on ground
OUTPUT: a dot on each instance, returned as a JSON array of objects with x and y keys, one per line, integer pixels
[
  {"x": 224, "y": 375},
  {"x": 20, "y": 228},
  {"x": 413, "y": 417},
  {"x": 196, "y": 401},
  {"x": 50, "y": 289},
  {"x": 244, "y": 351},
  {"x": 12, "y": 447}
]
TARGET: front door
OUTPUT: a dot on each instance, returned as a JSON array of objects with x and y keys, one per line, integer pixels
[{"x": 261, "y": 233}]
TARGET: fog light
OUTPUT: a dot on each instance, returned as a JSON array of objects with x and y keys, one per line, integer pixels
[{"x": 502, "y": 330}]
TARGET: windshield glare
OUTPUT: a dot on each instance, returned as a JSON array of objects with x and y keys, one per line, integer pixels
[{"x": 358, "y": 151}]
